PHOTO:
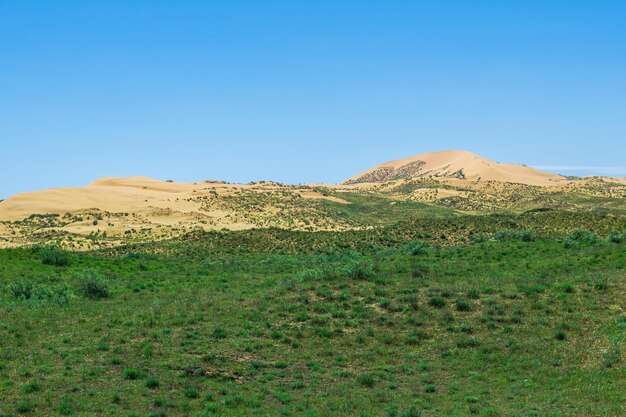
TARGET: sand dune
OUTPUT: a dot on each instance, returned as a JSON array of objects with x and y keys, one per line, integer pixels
[
  {"x": 136, "y": 195},
  {"x": 141, "y": 208},
  {"x": 454, "y": 164}
]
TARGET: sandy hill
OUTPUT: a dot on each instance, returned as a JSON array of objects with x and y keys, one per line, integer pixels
[
  {"x": 454, "y": 164},
  {"x": 148, "y": 195},
  {"x": 106, "y": 194},
  {"x": 110, "y": 211},
  {"x": 141, "y": 207}
]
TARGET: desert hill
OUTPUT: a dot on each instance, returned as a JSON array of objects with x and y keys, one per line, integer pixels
[
  {"x": 142, "y": 195},
  {"x": 110, "y": 211},
  {"x": 454, "y": 164}
]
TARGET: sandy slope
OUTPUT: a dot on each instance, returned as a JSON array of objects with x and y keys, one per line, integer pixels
[
  {"x": 451, "y": 164},
  {"x": 136, "y": 208},
  {"x": 130, "y": 195},
  {"x": 107, "y": 194},
  {"x": 148, "y": 208}
]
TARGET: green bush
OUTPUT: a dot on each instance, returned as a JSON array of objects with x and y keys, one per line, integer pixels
[
  {"x": 320, "y": 274},
  {"x": 509, "y": 234},
  {"x": 131, "y": 373},
  {"x": 152, "y": 383},
  {"x": 21, "y": 290},
  {"x": 478, "y": 237},
  {"x": 411, "y": 412},
  {"x": 359, "y": 270},
  {"x": 219, "y": 333},
  {"x": 140, "y": 256},
  {"x": 366, "y": 380},
  {"x": 467, "y": 342},
  {"x": 24, "y": 406},
  {"x": 615, "y": 237},
  {"x": 463, "y": 305},
  {"x": 33, "y": 386},
  {"x": 611, "y": 357},
  {"x": 417, "y": 248},
  {"x": 191, "y": 392},
  {"x": 579, "y": 238},
  {"x": 437, "y": 302},
  {"x": 52, "y": 296},
  {"x": 41, "y": 295},
  {"x": 93, "y": 285},
  {"x": 53, "y": 255}
]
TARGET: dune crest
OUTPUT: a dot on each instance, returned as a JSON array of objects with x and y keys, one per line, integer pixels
[{"x": 454, "y": 164}]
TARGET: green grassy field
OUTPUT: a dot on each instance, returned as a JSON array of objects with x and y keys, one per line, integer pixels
[{"x": 386, "y": 322}]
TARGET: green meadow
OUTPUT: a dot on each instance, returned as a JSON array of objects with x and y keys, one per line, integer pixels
[{"x": 467, "y": 316}]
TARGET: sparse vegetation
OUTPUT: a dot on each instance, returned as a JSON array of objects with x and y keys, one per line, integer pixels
[
  {"x": 273, "y": 322},
  {"x": 508, "y": 234}
]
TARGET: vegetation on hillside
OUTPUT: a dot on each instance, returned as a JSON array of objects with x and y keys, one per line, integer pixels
[{"x": 508, "y": 315}]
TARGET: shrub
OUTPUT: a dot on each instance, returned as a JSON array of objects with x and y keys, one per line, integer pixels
[
  {"x": 219, "y": 333},
  {"x": 474, "y": 294},
  {"x": 191, "y": 392},
  {"x": 42, "y": 295},
  {"x": 152, "y": 383},
  {"x": 615, "y": 237},
  {"x": 437, "y": 302},
  {"x": 415, "y": 337},
  {"x": 611, "y": 357},
  {"x": 52, "y": 296},
  {"x": 467, "y": 342},
  {"x": 579, "y": 238},
  {"x": 33, "y": 386},
  {"x": 24, "y": 406},
  {"x": 478, "y": 237},
  {"x": 411, "y": 412},
  {"x": 466, "y": 328},
  {"x": 22, "y": 290},
  {"x": 320, "y": 274},
  {"x": 463, "y": 305},
  {"x": 359, "y": 270},
  {"x": 509, "y": 234},
  {"x": 417, "y": 248},
  {"x": 600, "y": 285},
  {"x": 53, "y": 255},
  {"x": 65, "y": 409},
  {"x": 93, "y": 285},
  {"x": 140, "y": 256},
  {"x": 131, "y": 373},
  {"x": 366, "y": 380}
]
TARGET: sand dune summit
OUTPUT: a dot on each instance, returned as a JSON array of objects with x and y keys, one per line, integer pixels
[{"x": 454, "y": 164}]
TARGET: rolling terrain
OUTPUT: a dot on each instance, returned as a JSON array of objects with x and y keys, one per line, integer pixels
[
  {"x": 438, "y": 285},
  {"x": 114, "y": 211}
]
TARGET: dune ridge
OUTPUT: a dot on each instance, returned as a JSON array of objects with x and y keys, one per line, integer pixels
[
  {"x": 113, "y": 210},
  {"x": 454, "y": 164}
]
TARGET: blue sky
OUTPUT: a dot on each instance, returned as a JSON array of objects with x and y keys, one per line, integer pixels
[{"x": 304, "y": 91}]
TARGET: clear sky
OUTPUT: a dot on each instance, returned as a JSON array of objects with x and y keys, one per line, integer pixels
[{"x": 298, "y": 92}]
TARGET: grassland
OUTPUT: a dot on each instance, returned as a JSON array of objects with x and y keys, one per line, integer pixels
[{"x": 501, "y": 315}]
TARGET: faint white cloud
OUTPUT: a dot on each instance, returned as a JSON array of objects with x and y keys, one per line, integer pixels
[{"x": 589, "y": 170}]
